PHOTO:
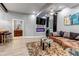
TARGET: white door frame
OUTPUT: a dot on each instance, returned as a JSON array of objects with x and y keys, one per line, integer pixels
[{"x": 13, "y": 26}]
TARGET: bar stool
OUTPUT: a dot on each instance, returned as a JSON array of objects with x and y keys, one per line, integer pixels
[
  {"x": 7, "y": 36},
  {"x": 2, "y": 38}
]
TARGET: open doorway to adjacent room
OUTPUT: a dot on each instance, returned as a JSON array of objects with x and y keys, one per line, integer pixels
[{"x": 18, "y": 28}]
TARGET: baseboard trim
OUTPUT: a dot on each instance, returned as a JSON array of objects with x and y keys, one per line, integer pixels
[{"x": 33, "y": 36}]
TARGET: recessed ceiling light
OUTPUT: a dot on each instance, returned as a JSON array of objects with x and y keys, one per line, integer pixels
[
  {"x": 46, "y": 15},
  {"x": 51, "y": 13},
  {"x": 51, "y": 10},
  {"x": 61, "y": 7},
  {"x": 33, "y": 12},
  {"x": 33, "y": 16}
]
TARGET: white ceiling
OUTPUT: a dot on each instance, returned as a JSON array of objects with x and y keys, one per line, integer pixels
[
  {"x": 25, "y": 8},
  {"x": 58, "y": 6},
  {"x": 28, "y": 8}
]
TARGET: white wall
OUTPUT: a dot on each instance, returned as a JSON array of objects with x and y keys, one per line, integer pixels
[
  {"x": 60, "y": 21},
  {"x": 29, "y": 23},
  {"x": 51, "y": 23},
  {"x": 30, "y": 26}
]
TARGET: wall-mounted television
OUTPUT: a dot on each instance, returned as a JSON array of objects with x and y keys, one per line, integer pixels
[{"x": 40, "y": 21}]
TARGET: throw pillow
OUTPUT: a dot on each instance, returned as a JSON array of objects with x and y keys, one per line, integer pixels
[
  {"x": 56, "y": 34},
  {"x": 66, "y": 34},
  {"x": 61, "y": 33},
  {"x": 77, "y": 38}
]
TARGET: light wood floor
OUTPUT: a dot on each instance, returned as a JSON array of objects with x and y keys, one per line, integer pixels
[{"x": 17, "y": 47}]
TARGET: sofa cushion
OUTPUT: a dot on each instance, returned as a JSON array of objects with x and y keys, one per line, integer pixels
[
  {"x": 56, "y": 34},
  {"x": 66, "y": 42},
  {"x": 73, "y": 35}
]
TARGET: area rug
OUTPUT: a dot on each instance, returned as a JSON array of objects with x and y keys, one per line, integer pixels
[{"x": 34, "y": 49}]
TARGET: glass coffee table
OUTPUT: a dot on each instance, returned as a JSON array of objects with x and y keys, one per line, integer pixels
[{"x": 45, "y": 42}]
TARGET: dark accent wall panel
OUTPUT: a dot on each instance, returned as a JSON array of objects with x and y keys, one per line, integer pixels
[
  {"x": 54, "y": 22},
  {"x": 47, "y": 22},
  {"x": 47, "y": 25},
  {"x": 47, "y": 32}
]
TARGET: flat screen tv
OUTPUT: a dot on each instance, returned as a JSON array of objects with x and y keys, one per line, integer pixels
[{"x": 40, "y": 21}]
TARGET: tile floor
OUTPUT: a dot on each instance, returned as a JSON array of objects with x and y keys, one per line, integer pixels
[{"x": 17, "y": 47}]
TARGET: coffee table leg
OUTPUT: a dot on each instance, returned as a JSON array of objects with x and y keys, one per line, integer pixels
[
  {"x": 43, "y": 46},
  {"x": 49, "y": 45},
  {"x": 41, "y": 42}
]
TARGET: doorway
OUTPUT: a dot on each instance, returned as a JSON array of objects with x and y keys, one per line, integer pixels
[{"x": 18, "y": 28}]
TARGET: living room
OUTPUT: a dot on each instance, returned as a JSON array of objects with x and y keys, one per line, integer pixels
[{"x": 39, "y": 29}]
